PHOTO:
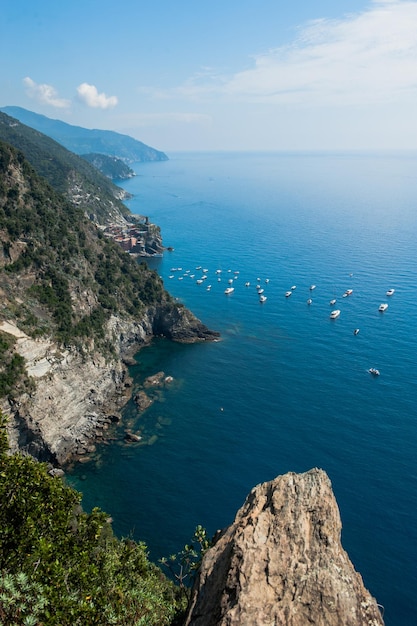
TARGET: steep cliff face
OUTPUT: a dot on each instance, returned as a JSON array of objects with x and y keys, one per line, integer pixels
[
  {"x": 73, "y": 306},
  {"x": 281, "y": 562},
  {"x": 75, "y": 397}
]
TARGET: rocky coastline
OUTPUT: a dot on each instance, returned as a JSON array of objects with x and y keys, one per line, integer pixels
[{"x": 77, "y": 397}]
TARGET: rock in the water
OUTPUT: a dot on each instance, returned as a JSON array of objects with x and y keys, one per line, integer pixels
[
  {"x": 282, "y": 563},
  {"x": 142, "y": 400}
]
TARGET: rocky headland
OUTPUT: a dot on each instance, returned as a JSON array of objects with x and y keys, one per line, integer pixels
[
  {"x": 281, "y": 562},
  {"x": 75, "y": 396}
]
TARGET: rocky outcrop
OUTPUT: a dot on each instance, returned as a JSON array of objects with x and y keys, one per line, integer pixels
[
  {"x": 77, "y": 396},
  {"x": 179, "y": 324},
  {"x": 281, "y": 562}
]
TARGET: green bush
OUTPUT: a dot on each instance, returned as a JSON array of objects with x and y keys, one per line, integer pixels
[{"x": 60, "y": 566}]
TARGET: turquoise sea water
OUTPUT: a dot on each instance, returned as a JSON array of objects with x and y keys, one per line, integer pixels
[{"x": 286, "y": 389}]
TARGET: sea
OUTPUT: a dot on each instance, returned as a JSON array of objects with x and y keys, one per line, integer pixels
[{"x": 286, "y": 388}]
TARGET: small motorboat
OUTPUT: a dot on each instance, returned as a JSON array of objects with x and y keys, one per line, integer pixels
[
  {"x": 261, "y": 291},
  {"x": 356, "y": 331},
  {"x": 309, "y": 301},
  {"x": 347, "y": 293},
  {"x": 312, "y": 287},
  {"x": 262, "y": 298},
  {"x": 390, "y": 292},
  {"x": 293, "y": 287},
  {"x": 334, "y": 314},
  {"x": 374, "y": 371},
  {"x": 383, "y": 307},
  {"x": 332, "y": 302},
  {"x": 288, "y": 294},
  {"x": 229, "y": 290}
]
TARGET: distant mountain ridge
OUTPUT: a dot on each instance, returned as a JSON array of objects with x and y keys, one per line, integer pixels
[
  {"x": 83, "y": 140},
  {"x": 69, "y": 174}
]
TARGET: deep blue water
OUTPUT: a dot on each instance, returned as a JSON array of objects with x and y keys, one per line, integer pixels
[{"x": 286, "y": 389}]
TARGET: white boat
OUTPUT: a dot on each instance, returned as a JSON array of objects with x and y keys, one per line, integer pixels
[
  {"x": 199, "y": 281},
  {"x": 332, "y": 302},
  {"x": 288, "y": 294},
  {"x": 355, "y": 332},
  {"x": 230, "y": 281},
  {"x": 312, "y": 287},
  {"x": 229, "y": 290},
  {"x": 261, "y": 291},
  {"x": 309, "y": 301},
  {"x": 247, "y": 284},
  {"x": 383, "y": 307},
  {"x": 374, "y": 371},
  {"x": 334, "y": 314},
  {"x": 390, "y": 292},
  {"x": 262, "y": 298},
  {"x": 347, "y": 293},
  {"x": 293, "y": 287}
]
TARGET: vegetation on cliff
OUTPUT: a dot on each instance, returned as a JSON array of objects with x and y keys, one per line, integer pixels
[
  {"x": 110, "y": 166},
  {"x": 69, "y": 174},
  {"x": 62, "y": 566},
  {"x": 59, "y": 275}
]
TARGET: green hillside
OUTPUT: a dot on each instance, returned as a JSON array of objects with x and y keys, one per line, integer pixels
[
  {"x": 58, "y": 273},
  {"x": 112, "y": 167},
  {"x": 69, "y": 174}
]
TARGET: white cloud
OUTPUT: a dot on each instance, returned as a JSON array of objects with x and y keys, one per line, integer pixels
[
  {"x": 90, "y": 96},
  {"x": 44, "y": 93},
  {"x": 362, "y": 58}
]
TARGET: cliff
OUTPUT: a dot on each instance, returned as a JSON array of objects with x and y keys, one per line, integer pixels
[
  {"x": 73, "y": 306},
  {"x": 281, "y": 562},
  {"x": 75, "y": 396}
]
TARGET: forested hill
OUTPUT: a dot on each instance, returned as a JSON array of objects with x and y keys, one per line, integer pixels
[
  {"x": 80, "y": 182},
  {"x": 83, "y": 140},
  {"x": 58, "y": 274}
]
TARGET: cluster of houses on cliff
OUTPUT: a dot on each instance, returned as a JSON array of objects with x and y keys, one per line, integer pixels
[{"x": 140, "y": 237}]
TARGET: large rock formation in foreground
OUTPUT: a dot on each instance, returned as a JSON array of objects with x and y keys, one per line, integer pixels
[{"x": 281, "y": 562}]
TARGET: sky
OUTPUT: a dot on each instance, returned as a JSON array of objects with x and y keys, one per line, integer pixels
[{"x": 219, "y": 75}]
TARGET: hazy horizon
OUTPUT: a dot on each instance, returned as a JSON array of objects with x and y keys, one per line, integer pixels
[{"x": 262, "y": 76}]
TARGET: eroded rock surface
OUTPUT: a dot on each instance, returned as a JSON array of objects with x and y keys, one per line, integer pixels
[
  {"x": 281, "y": 562},
  {"x": 77, "y": 396}
]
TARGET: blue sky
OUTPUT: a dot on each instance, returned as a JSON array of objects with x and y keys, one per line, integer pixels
[{"x": 219, "y": 75}]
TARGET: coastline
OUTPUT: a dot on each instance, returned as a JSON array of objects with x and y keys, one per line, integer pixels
[{"x": 76, "y": 398}]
